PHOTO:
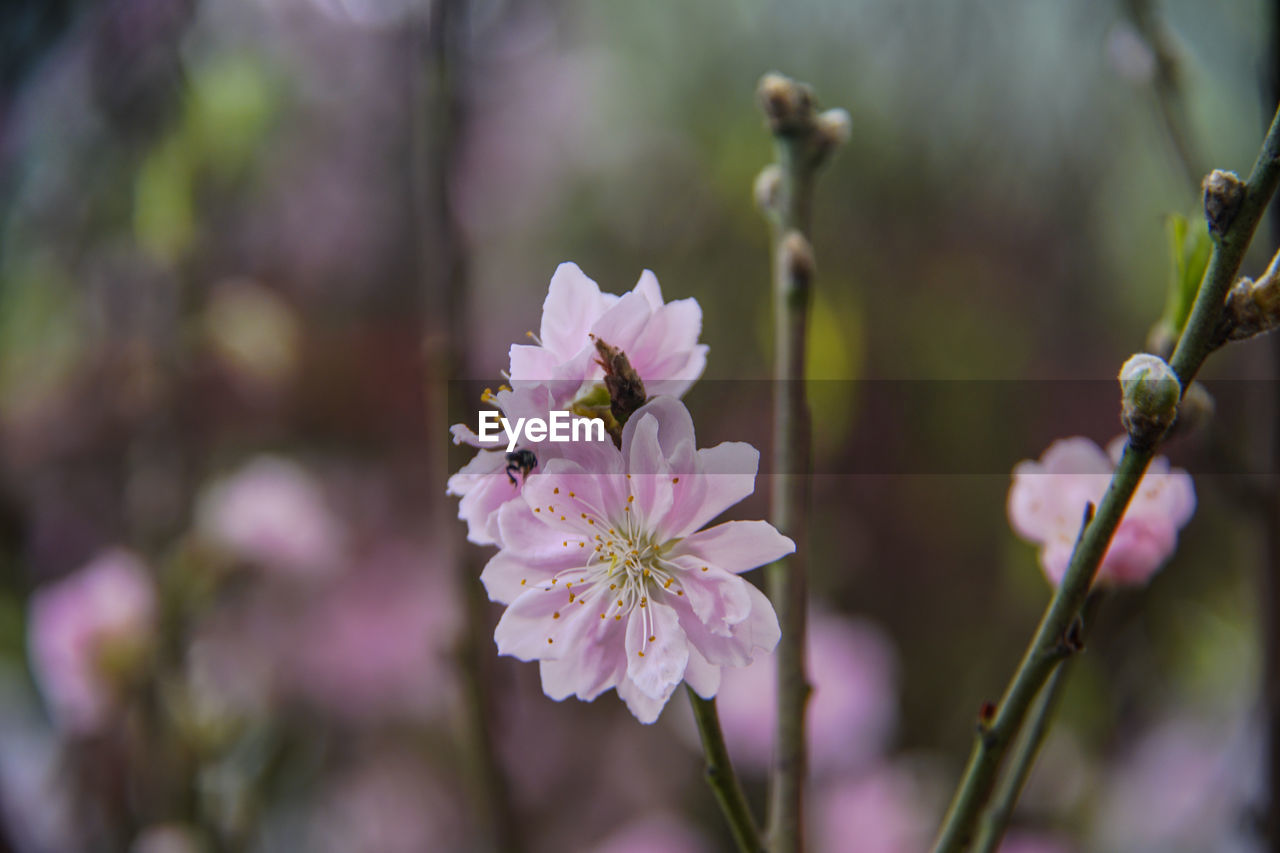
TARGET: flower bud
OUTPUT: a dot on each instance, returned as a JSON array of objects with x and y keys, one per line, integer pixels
[
  {"x": 1223, "y": 195},
  {"x": 626, "y": 389},
  {"x": 830, "y": 130},
  {"x": 1150, "y": 391},
  {"x": 787, "y": 104},
  {"x": 797, "y": 255},
  {"x": 835, "y": 126},
  {"x": 768, "y": 188}
]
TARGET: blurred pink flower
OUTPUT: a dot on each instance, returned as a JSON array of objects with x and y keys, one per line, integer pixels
[
  {"x": 610, "y": 580},
  {"x": 272, "y": 513},
  {"x": 378, "y": 642},
  {"x": 389, "y": 803},
  {"x": 660, "y": 339},
  {"x": 882, "y": 811},
  {"x": 86, "y": 633},
  {"x": 654, "y": 835},
  {"x": 1048, "y": 498},
  {"x": 854, "y": 705},
  {"x": 166, "y": 838},
  {"x": 1024, "y": 842},
  {"x": 1186, "y": 785}
]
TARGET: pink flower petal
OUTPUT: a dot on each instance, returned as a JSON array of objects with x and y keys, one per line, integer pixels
[
  {"x": 656, "y": 650},
  {"x": 737, "y": 546}
]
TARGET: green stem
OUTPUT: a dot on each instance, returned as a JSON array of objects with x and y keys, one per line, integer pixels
[
  {"x": 802, "y": 143},
  {"x": 1048, "y": 646},
  {"x": 996, "y": 818},
  {"x": 721, "y": 778},
  {"x": 788, "y": 580}
]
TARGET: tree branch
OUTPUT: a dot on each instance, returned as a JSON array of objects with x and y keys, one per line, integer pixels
[
  {"x": 1232, "y": 228},
  {"x": 996, "y": 818}
]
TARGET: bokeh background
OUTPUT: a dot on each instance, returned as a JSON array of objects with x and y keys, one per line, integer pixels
[{"x": 247, "y": 247}]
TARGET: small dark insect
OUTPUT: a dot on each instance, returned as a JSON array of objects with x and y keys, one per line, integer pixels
[{"x": 521, "y": 460}]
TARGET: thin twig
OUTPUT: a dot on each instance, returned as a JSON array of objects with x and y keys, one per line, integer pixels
[
  {"x": 996, "y": 818},
  {"x": 1167, "y": 85},
  {"x": 443, "y": 270},
  {"x": 721, "y": 778},
  {"x": 1269, "y": 517},
  {"x": 1047, "y": 647},
  {"x": 803, "y": 140}
]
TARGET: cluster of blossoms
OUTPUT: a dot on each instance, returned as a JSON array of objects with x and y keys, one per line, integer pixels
[{"x": 610, "y": 576}]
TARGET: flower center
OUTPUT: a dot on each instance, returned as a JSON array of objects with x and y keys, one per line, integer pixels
[{"x": 624, "y": 564}]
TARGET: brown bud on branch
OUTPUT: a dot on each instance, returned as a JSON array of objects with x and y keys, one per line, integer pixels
[
  {"x": 626, "y": 389},
  {"x": 1223, "y": 195}
]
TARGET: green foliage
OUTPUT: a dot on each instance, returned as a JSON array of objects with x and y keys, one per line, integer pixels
[
  {"x": 1189, "y": 249},
  {"x": 39, "y": 336},
  {"x": 224, "y": 121}
]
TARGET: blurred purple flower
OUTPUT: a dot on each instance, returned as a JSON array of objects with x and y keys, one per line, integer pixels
[
  {"x": 1048, "y": 498},
  {"x": 535, "y": 122},
  {"x": 1024, "y": 842},
  {"x": 389, "y": 803},
  {"x": 88, "y": 633},
  {"x": 1129, "y": 55},
  {"x": 1184, "y": 786},
  {"x": 619, "y": 586},
  {"x": 272, "y": 513},
  {"x": 854, "y": 705},
  {"x": 881, "y": 811},
  {"x": 379, "y": 640},
  {"x": 659, "y": 834}
]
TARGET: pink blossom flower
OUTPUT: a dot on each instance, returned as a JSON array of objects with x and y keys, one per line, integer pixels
[
  {"x": 271, "y": 513},
  {"x": 87, "y": 632},
  {"x": 610, "y": 578},
  {"x": 851, "y": 713},
  {"x": 483, "y": 483},
  {"x": 1048, "y": 498},
  {"x": 660, "y": 339}
]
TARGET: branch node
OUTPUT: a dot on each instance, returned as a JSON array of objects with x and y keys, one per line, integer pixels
[
  {"x": 768, "y": 190},
  {"x": 1223, "y": 195}
]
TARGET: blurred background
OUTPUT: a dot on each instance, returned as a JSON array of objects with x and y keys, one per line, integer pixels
[{"x": 246, "y": 247}]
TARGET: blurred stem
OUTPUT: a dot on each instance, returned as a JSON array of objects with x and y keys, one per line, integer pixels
[
  {"x": 444, "y": 274},
  {"x": 802, "y": 142},
  {"x": 996, "y": 818},
  {"x": 1269, "y": 579},
  {"x": 1050, "y": 643},
  {"x": 721, "y": 778},
  {"x": 1167, "y": 85}
]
